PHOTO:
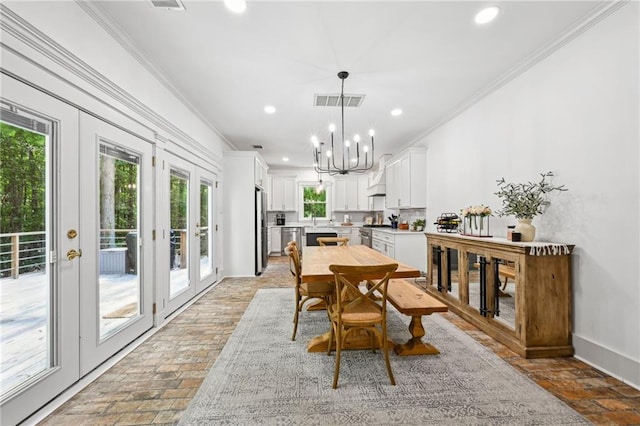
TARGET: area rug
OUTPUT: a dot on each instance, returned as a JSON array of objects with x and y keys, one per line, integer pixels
[{"x": 263, "y": 378}]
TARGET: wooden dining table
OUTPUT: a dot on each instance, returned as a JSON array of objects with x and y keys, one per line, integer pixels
[{"x": 315, "y": 268}]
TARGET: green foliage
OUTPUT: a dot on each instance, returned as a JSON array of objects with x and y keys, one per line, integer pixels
[
  {"x": 315, "y": 203},
  {"x": 179, "y": 188},
  {"x": 204, "y": 205},
  {"x": 419, "y": 222},
  {"x": 525, "y": 200},
  {"x": 22, "y": 180}
]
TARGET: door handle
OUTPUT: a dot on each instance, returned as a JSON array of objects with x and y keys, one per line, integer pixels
[{"x": 72, "y": 254}]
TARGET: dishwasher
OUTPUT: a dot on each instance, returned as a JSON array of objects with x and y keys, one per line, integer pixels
[{"x": 290, "y": 234}]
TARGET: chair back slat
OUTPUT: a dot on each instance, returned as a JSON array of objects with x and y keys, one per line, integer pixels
[{"x": 333, "y": 241}]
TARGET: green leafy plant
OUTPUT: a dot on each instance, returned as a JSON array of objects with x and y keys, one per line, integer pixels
[
  {"x": 418, "y": 223},
  {"x": 525, "y": 200}
]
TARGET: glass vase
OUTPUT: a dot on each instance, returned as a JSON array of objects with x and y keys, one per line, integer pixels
[{"x": 476, "y": 225}]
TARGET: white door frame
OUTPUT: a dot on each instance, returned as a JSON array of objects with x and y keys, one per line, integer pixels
[{"x": 63, "y": 216}]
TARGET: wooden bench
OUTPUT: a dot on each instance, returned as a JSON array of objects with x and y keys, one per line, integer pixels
[
  {"x": 506, "y": 271},
  {"x": 414, "y": 302}
]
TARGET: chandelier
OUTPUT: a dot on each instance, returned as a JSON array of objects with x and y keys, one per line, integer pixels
[{"x": 327, "y": 160}]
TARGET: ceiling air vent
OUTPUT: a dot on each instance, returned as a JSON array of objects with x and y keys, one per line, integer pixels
[
  {"x": 168, "y": 4},
  {"x": 257, "y": 146},
  {"x": 332, "y": 100}
]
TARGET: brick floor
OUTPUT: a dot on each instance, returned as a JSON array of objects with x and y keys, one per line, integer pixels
[{"x": 155, "y": 383}]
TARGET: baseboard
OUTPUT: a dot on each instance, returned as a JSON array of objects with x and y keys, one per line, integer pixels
[{"x": 604, "y": 359}]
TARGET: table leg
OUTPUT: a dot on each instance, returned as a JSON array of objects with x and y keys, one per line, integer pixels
[{"x": 415, "y": 345}]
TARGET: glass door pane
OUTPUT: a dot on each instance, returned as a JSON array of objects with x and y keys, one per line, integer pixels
[
  {"x": 179, "y": 232},
  {"x": 119, "y": 289},
  {"x": 205, "y": 225},
  {"x": 26, "y": 320}
]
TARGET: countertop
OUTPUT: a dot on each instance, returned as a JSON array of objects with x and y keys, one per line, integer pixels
[
  {"x": 309, "y": 225},
  {"x": 398, "y": 231}
]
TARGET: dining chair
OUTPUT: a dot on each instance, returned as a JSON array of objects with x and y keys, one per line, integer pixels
[
  {"x": 354, "y": 310},
  {"x": 333, "y": 241},
  {"x": 305, "y": 291}
]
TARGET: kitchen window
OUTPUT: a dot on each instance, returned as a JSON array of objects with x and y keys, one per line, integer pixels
[{"x": 315, "y": 204}]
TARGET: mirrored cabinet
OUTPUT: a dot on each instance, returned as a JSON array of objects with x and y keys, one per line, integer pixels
[{"x": 518, "y": 293}]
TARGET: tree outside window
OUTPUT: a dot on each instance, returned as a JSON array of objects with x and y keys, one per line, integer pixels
[{"x": 314, "y": 203}]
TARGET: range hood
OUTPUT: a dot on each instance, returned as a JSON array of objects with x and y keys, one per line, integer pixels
[{"x": 377, "y": 186}]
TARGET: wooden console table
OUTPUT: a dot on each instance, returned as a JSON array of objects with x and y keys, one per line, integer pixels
[{"x": 535, "y": 320}]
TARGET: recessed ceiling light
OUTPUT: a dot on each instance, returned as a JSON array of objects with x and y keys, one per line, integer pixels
[
  {"x": 237, "y": 6},
  {"x": 285, "y": 159},
  {"x": 487, "y": 15},
  {"x": 396, "y": 112},
  {"x": 270, "y": 109}
]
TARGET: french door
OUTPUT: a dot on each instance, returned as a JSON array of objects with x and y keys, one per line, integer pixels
[
  {"x": 206, "y": 229},
  {"x": 39, "y": 245},
  {"x": 116, "y": 189},
  {"x": 191, "y": 229}
]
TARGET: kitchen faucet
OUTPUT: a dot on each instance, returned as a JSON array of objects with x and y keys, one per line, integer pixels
[{"x": 313, "y": 218}]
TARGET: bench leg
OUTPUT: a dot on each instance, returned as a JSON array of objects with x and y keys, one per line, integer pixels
[{"x": 415, "y": 345}]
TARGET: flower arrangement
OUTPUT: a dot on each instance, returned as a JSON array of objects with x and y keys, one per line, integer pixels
[
  {"x": 525, "y": 200},
  {"x": 480, "y": 210},
  {"x": 476, "y": 220}
]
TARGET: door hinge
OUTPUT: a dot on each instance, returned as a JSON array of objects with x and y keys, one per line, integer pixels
[
  {"x": 153, "y": 311},
  {"x": 216, "y": 270},
  {"x": 53, "y": 257},
  {"x": 153, "y": 235},
  {"x": 216, "y": 227},
  {"x": 216, "y": 184},
  {"x": 153, "y": 161}
]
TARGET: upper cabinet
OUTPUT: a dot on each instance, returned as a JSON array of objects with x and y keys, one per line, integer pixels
[
  {"x": 282, "y": 195},
  {"x": 406, "y": 176},
  {"x": 350, "y": 194},
  {"x": 260, "y": 173}
]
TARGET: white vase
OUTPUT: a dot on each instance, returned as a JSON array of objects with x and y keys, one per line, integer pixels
[{"x": 526, "y": 229}]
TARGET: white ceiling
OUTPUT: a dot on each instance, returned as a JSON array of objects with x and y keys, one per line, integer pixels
[{"x": 426, "y": 57}]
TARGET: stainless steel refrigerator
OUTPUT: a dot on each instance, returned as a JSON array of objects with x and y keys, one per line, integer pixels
[{"x": 261, "y": 251}]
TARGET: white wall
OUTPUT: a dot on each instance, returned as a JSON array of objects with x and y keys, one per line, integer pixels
[
  {"x": 69, "y": 25},
  {"x": 576, "y": 113}
]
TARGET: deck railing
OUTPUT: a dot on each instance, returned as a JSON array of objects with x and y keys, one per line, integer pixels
[{"x": 22, "y": 252}]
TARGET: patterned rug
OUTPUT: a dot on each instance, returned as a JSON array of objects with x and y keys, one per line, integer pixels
[{"x": 263, "y": 378}]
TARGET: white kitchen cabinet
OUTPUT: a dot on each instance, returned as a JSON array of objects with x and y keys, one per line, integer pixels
[
  {"x": 350, "y": 194},
  {"x": 384, "y": 243},
  {"x": 376, "y": 203},
  {"x": 354, "y": 239},
  {"x": 276, "y": 241},
  {"x": 406, "y": 176},
  {"x": 362, "y": 195},
  {"x": 283, "y": 194},
  {"x": 406, "y": 247},
  {"x": 260, "y": 173}
]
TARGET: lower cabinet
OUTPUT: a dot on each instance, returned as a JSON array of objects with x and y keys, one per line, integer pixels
[
  {"x": 406, "y": 247},
  {"x": 276, "y": 241}
]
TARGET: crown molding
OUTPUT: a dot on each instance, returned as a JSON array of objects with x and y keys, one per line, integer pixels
[
  {"x": 97, "y": 13},
  {"x": 39, "y": 42},
  {"x": 596, "y": 15}
]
